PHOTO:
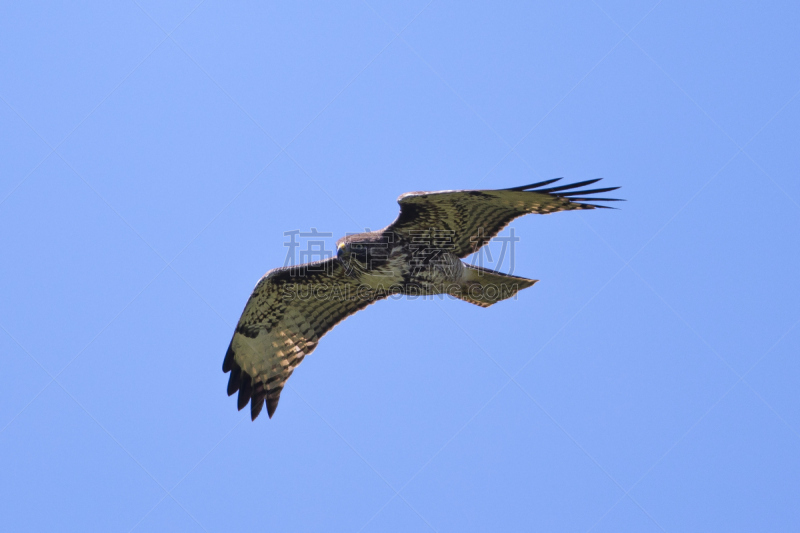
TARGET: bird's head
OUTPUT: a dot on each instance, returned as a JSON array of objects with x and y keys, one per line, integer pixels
[
  {"x": 352, "y": 255},
  {"x": 362, "y": 252}
]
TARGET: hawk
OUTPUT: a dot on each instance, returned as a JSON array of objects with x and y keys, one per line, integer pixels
[{"x": 420, "y": 253}]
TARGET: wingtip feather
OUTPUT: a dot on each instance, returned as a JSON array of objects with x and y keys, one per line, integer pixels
[
  {"x": 227, "y": 363},
  {"x": 569, "y": 193},
  {"x": 534, "y": 185},
  {"x": 570, "y": 186},
  {"x": 234, "y": 379},
  {"x": 256, "y": 404},
  {"x": 244, "y": 391},
  {"x": 596, "y": 206},
  {"x": 590, "y": 191},
  {"x": 591, "y": 198},
  {"x": 272, "y": 404}
]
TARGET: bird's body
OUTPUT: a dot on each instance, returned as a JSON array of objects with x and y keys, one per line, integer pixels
[
  {"x": 385, "y": 258},
  {"x": 420, "y": 253}
]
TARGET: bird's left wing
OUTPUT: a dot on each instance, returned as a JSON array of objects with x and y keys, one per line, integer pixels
[
  {"x": 471, "y": 218},
  {"x": 290, "y": 309}
]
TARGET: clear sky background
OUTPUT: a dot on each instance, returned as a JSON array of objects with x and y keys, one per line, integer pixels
[{"x": 153, "y": 154}]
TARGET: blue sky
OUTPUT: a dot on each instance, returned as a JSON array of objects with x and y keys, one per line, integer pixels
[{"x": 153, "y": 155}]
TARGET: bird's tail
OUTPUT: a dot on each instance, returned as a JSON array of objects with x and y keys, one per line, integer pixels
[{"x": 484, "y": 287}]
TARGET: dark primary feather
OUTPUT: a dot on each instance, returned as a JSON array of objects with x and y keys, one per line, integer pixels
[
  {"x": 591, "y": 191},
  {"x": 570, "y": 186},
  {"x": 533, "y": 185}
]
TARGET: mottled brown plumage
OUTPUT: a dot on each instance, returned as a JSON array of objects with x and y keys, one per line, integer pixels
[{"x": 291, "y": 308}]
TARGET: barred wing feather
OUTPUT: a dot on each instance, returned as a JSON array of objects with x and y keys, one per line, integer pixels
[
  {"x": 472, "y": 218},
  {"x": 288, "y": 312}
]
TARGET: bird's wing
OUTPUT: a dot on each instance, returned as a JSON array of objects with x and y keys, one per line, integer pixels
[
  {"x": 466, "y": 220},
  {"x": 290, "y": 309}
]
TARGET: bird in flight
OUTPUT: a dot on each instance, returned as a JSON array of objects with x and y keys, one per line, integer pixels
[{"x": 419, "y": 253}]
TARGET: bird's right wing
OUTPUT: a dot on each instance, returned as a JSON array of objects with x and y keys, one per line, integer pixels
[
  {"x": 290, "y": 309},
  {"x": 471, "y": 218}
]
